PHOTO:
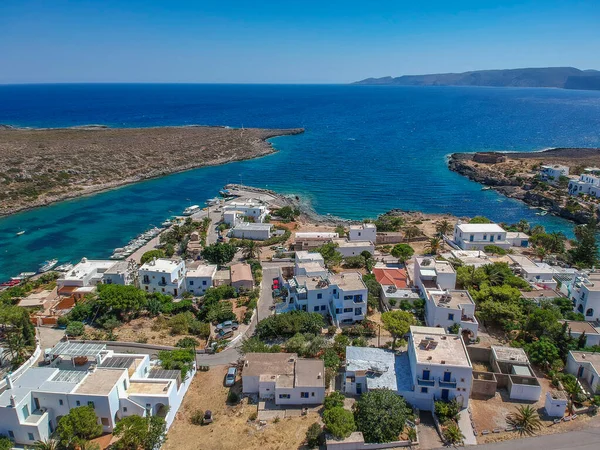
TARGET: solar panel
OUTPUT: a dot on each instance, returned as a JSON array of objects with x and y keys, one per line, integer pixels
[{"x": 77, "y": 349}]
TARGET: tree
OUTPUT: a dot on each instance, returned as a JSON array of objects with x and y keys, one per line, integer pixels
[
  {"x": 80, "y": 424},
  {"x": 334, "y": 400},
  {"x": 219, "y": 253},
  {"x": 340, "y": 230},
  {"x": 251, "y": 250},
  {"x": 136, "y": 432},
  {"x": 411, "y": 233},
  {"x": 542, "y": 352},
  {"x": 397, "y": 323},
  {"x": 313, "y": 435},
  {"x": 585, "y": 252},
  {"x": 5, "y": 443},
  {"x": 354, "y": 262},
  {"x": 121, "y": 301},
  {"x": 330, "y": 255},
  {"x": 443, "y": 227},
  {"x": 525, "y": 419},
  {"x": 573, "y": 388},
  {"x": 453, "y": 435},
  {"x": 380, "y": 415},
  {"x": 75, "y": 329},
  {"x": 480, "y": 219},
  {"x": 288, "y": 213},
  {"x": 151, "y": 254},
  {"x": 523, "y": 226},
  {"x": 541, "y": 252},
  {"x": 339, "y": 422},
  {"x": 434, "y": 246},
  {"x": 403, "y": 252},
  {"x": 494, "y": 250},
  {"x": 47, "y": 444},
  {"x": 180, "y": 359}
]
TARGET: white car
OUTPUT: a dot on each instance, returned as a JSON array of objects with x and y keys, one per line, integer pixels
[{"x": 230, "y": 377}]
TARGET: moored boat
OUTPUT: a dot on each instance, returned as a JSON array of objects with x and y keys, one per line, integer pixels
[
  {"x": 64, "y": 267},
  {"x": 191, "y": 210},
  {"x": 47, "y": 265}
]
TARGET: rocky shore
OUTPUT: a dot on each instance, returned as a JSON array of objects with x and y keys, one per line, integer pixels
[
  {"x": 43, "y": 166},
  {"x": 514, "y": 175}
]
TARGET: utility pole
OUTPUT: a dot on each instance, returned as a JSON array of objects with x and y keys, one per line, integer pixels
[{"x": 379, "y": 337}]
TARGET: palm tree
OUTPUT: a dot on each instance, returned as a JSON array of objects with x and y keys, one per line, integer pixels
[
  {"x": 537, "y": 229},
  {"x": 453, "y": 435},
  {"x": 541, "y": 252},
  {"x": 47, "y": 444},
  {"x": 572, "y": 387},
  {"x": 411, "y": 232},
  {"x": 434, "y": 246},
  {"x": 443, "y": 227},
  {"x": 251, "y": 250},
  {"x": 494, "y": 274},
  {"x": 523, "y": 226},
  {"x": 525, "y": 419}
]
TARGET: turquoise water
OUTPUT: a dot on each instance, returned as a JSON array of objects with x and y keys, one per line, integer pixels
[{"x": 366, "y": 150}]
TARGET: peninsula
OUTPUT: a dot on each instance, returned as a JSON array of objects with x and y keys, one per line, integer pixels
[
  {"x": 548, "y": 179},
  {"x": 42, "y": 166},
  {"x": 556, "y": 77}
]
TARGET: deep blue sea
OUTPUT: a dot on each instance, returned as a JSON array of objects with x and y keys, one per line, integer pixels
[{"x": 366, "y": 150}]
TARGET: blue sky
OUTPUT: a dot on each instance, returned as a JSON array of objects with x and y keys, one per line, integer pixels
[{"x": 287, "y": 41}]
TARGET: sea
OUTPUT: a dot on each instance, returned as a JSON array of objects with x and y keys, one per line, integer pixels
[{"x": 366, "y": 150}]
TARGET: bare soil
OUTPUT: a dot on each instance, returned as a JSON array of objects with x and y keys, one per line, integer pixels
[
  {"x": 231, "y": 429},
  {"x": 47, "y": 165}
]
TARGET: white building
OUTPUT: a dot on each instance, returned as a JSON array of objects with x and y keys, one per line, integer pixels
[
  {"x": 586, "y": 367},
  {"x": 433, "y": 274},
  {"x": 588, "y": 183},
  {"x": 363, "y": 232},
  {"x": 199, "y": 277},
  {"x": 585, "y": 294},
  {"x": 114, "y": 385},
  {"x": 436, "y": 366},
  {"x": 517, "y": 239},
  {"x": 234, "y": 212},
  {"x": 552, "y": 173},
  {"x": 522, "y": 382},
  {"x": 163, "y": 275},
  {"x": 577, "y": 329},
  {"x": 445, "y": 308},
  {"x": 540, "y": 274},
  {"x": 350, "y": 248},
  {"x": 121, "y": 272},
  {"x": 87, "y": 272},
  {"x": 476, "y": 258},
  {"x": 284, "y": 378},
  {"x": 342, "y": 296},
  {"x": 475, "y": 236},
  {"x": 254, "y": 231},
  {"x": 315, "y": 235}
]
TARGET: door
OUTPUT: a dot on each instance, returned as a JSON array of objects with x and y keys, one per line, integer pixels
[
  {"x": 358, "y": 388},
  {"x": 580, "y": 372},
  {"x": 175, "y": 292},
  {"x": 447, "y": 376},
  {"x": 492, "y": 238},
  {"x": 36, "y": 403},
  {"x": 426, "y": 374},
  {"x": 445, "y": 394}
]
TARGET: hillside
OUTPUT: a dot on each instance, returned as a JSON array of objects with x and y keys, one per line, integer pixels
[{"x": 557, "y": 77}]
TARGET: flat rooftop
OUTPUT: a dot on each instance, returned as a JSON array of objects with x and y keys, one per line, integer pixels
[
  {"x": 37, "y": 299},
  {"x": 315, "y": 235},
  {"x": 310, "y": 373},
  {"x": 434, "y": 346},
  {"x": 450, "y": 299},
  {"x": 154, "y": 387},
  {"x": 85, "y": 267},
  {"x": 202, "y": 270},
  {"x": 510, "y": 354},
  {"x": 312, "y": 266},
  {"x": 247, "y": 226},
  {"x": 72, "y": 349},
  {"x": 363, "y": 226},
  {"x": 577, "y": 326},
  {"x": 344, "y": 243},
  {"x": 257, "y": 364},
  {"x": 349, "y": 281},
  {"x": 304, "y": 256},
  {"x": 383, "y": 368},
  {"x": 480, "y": 228},
  {"x": 589, "y": 357},
  {"x": 100, "y": 382},
  {"x": 161, "y": 265},
  {"x": 241, "y": 272},
  {"x": 540, "y": 293},
  {"x": 433, "y": 264}
]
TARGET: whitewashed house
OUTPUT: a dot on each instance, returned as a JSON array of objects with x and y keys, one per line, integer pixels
[
  {"x": 552, "y": 172},
  {"x": 86, "y": 273},
  {"x": 163, "y": 275},
  {"x": 446, "y": 308},
  {"x": 199, "y": 277},
  {"x": 253, "y": 231},
  {"x": 363, "y": 232},
  {"x": 234, "y": 212},
  {"x": 588, "y": 183},
  {"x": 578, "y": 329},
  {"x": 114, "y": 385},
  {"x": 349, "y": 248},
  {"x": 540, "y": 274},
  {"x": 586, "y": 367},
  {"x": 121, "y": 272},
  {"x": 284, "y": 378},
  {"x": 585, "y": 294},
  {"x": 476, "y": 236},
  {"x": 433, "y": 274}
]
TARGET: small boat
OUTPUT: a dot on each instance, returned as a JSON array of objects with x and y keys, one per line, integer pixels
[
  {"x": 167, "y": 223},
  {"x": 191, "y": 210},
  {"x": 47, "y": 265},
  {"x": 486, "y": 188},
  {"x": 543, "y": 213},
  {"x": 64, "y": 267},
  {"x": 213, "y": 201},
  {"x": 23, "y": 276},
  {"x": 21, "y": 233}
]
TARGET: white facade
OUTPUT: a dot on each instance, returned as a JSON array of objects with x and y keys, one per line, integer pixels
[
  {"x": 522, "y": 382},
  {"x": 233, "y": 212},
  {"x": 431, "y": 273},
  {"x": 121, "y": 272},
  {"x": 349, "y": 248},
  {"x": 585, "y": 294},
  {"x": 475, "y": 236},
  {"x": 86, "y": 273},
  {"x": 517, "y": 239},
  {"x": 446, "y": 308},
  {"x": 254, "y": 231},
  {"x": 588, "y": 183},
  {"x": 552, "y": 173},
  {"x": 540, "y": 274},
  {"x": 363, "y": 232},
  {"x": 200, "y": 278},
  {"x": 33, "y": 404},
  {"x": 556, "y": 404},
  {"x": 585, "y": 366},
  {"x": 163, "y": 275},
  {"x": 577, "y": 329}
]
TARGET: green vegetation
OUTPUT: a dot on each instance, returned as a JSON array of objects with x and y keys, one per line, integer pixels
[
  {"x": 434, "y": 246},
  {"x": 381, "y": 415},
  {"x": 75, "y": 329},
  {"x": 289, "y": 324},
  {"x": 180, "y": 359},
  {"x": 494, "y": 250},
  {"x": 525, "y": 419},
  {"x": 314, "y": 436},
  {"x": 480, "y": 219},
  {"x": 339, "y": 422},
  {"x": 446, "y": 411},
  {"x": 334, "y": 400},
  {"x": 389, "y": 223},
  {"x": 585, "y": 252},
  {"x": 80, "y": 425},
  {"x": 403, "y": 252},
  {"x": 287, "y": 213},
  {"x": 453, "y": 435},
  {"x": 397, "y": 323},
  {"x": 151, "y": 254},
  {"x": 219, "y": 253},
  {"x": 443, "y": 227},
  {"x": 5, "y": 443},
  {"x": 140, "y": 433},
  {"x": 330, "y": 255}
]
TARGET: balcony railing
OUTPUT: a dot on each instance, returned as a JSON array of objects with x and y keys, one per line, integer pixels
[
  {"x": 423, "y": 382},
  {"x": 447, "y": 384}
]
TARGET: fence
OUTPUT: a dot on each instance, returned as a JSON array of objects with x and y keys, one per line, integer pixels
[
  {"x": 138, "y": 345},
  {"x": 26, "y": 365},
  {"x": 356, "y": 442}
]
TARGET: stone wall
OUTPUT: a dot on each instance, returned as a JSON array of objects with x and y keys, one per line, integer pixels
[{"x": 484, "y": 384}]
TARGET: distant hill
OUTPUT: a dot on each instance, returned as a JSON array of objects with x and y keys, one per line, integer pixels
[{"x": 557, "y": 77}]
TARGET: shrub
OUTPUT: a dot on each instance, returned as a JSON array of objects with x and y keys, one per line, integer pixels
[
  {"x": 75, "y": 328},
  {"x": 288, "y": 324},
  {"x": 200, "y": 329},
  {"x": 253, "y": 416},
  {"x": 339, "y": 422},
  {"x": 151, "y": 254},
  {"x": 447, "y": 410},
  {"x": 187, "y": 342},
  {"x": 232, "y": 397},
  {"x": 197, "y": 417},
  {"x": 313, "y": 435},
  {"x": 334, "y": 400}
]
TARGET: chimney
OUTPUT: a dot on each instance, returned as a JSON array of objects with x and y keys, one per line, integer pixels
[
  {"x": 9, "y": 381},
  {"x": 13, "y": 401},
  {"x": 319, "y": 376}
]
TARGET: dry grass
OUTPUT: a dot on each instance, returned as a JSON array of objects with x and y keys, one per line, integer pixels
[
  {"x": 231, "y": 429},
  {"x": 43, "y": 166}
]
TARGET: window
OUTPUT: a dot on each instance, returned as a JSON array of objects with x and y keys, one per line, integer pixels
[
  {"x": 471, "y": 238},
  {"x": 60, "y": 402},
  {"x": 11, "y": 434},
  {"x": 284, "y": 395},
  {"x": 358, "y": 299},
  {"x": 358, "y": 311},
  {"x": 451, "y": 316},
  {"x": 312, "y": 394},
  {"x": 335, "y": 292},
  {"x": 104, "y": 421},
  {"x": 499, "y": 237},
  {"x": 316, "y": 308},
  {"x": 124, "y": 408},
  {"x": 338, "y": 310},
  {"x": 348, "y": 310},
  {"x": 589, "y": 312},
  {"x": 347, "y": 297},
  {"x": 323, "y": 307},
  {"x": 303, "y": 394},
  {"x": 30, "y": 436},
  {"x": 148, "y": 406},
  {"x": 78, "y": 403},
  {"x": 424, "y": 390},
  {"x": 125, "y": 382},
  {"x": 91, "y": 404},
  {"x": 191, "y": 282},
  {"x": 485, "y": 237},
  {"x": 203, "y": 282},
  {"x": 319, "y": 296}
]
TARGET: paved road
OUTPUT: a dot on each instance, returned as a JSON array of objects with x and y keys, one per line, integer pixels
[{"x": 587, "y": 439}]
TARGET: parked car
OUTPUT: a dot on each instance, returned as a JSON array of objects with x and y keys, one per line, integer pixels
[
  {"x": 228, "y": 324},
  {"x": 230, "y": 377},
  {"x": 207, "y": 417},
  {"x": 225, "y": 333}
]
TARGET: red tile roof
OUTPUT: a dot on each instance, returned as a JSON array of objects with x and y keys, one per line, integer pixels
[{"x": 391, "y": 277}]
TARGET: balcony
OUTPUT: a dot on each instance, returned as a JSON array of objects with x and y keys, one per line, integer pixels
[
  {"x": 423, "y": 382},
  {"x": 447, "y": 384}
]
